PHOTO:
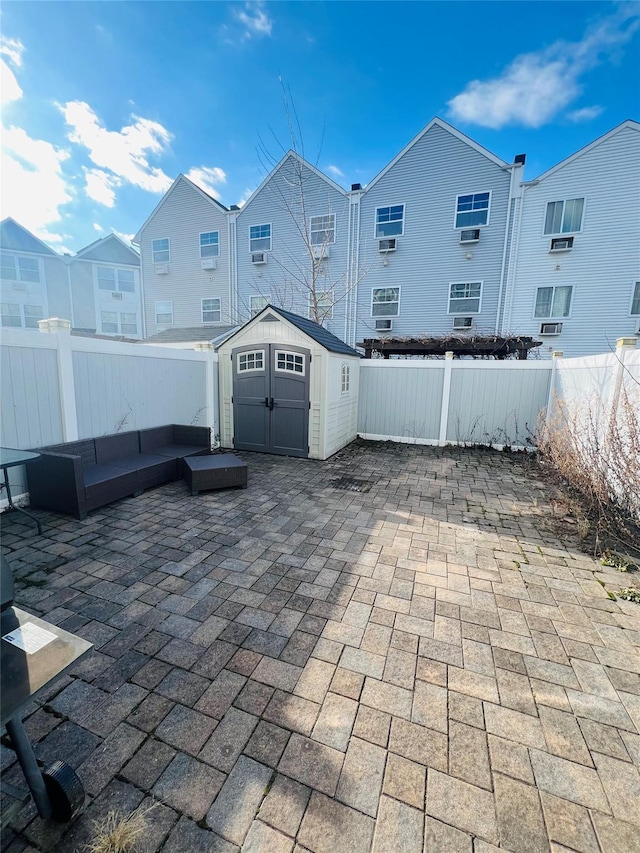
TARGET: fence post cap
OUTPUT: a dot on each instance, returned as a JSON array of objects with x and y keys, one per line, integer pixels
[
  {"x": 448, "y": 354},
  {"x": 203, "y": 345},
  {"x": 54, "y": 324},
  {"x": 626, "y": 342},
  {"x": 557, "y": 353}
]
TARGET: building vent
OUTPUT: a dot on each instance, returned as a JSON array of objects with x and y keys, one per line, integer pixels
[
  {"x": 470, "y": 235},
  {"x": 258, "y": 258},
  {"x": 384, "y": 325},
  {"x": 116, "y": 295},
  {"x": 388, "y": 244},
  {"x": 550, "y": 328},
  {"x": 209, "y": 264},
  {"x": 561, "y": 244},
  {"x": 19, "y": 286},
  {"x": 462, "y": 322},
  {"x": 161, "y": 269}
]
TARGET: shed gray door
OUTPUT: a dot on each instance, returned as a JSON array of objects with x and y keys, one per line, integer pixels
[{"x": 271, "y": 399}]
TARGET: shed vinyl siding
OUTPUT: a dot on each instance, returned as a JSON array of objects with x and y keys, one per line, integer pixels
[
  {"x": 605, "y": 258},
  {"x": 341, "y": 410},
  {"x": 115, "y": 393},
  {"x": 427, "y": 179},
  {"x": 288, "y": 262},
  {"x": 184, "y": 215}
]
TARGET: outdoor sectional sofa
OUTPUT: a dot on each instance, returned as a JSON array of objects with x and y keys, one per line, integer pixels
[{"x": 79, "y": 476}]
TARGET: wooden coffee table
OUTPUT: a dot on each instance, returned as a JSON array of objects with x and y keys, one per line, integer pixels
[{"x": 218, "y": 471}]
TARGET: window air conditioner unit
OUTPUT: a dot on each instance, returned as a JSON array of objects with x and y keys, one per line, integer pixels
[
  {"x": 161, "y": 269},
  {"x": 258, "y": 258},
  {"x": 208, "y": 264},
  {"x": 470, "y": 235},
  {"x": 550, "y": 328},
  {"x": 462, "y": 322},
  {"x": 116, "y": 295},
  {"x": 320, "y": 252},
  {"x": 384, "y": 325},
  {"x": 387, "y": 245},
  {"x": 561, "y": 244}
]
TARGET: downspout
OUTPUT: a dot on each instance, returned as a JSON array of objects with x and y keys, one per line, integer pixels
[
  {"x": 143, "y": 301},
  {"x": 233, "y": 263},
  {"x": 517, "y": 170},
  {"x": 68, "y": 260},
  {"x": 515, "y": 253}
]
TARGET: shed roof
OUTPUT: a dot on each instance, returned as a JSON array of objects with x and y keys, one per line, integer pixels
[{"x": 313, "y": 330}]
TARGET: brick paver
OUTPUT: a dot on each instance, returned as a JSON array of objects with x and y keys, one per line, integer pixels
[{"x": 430, "y": 665}]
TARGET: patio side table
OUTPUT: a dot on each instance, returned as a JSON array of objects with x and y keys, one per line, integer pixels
[
  {"x": 10, "y": 458},
  {"x": 218, "y": 471}
]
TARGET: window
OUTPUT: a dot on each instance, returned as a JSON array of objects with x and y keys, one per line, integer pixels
[
  {"x": 385, "y": 302},
  {"x": 210, "y": 310},
  {"x": 260, "y": 238},
  {"x": 290, "y": 361},
  {"x": 553, "y": 301},
  {"x": 160, "y": 249},
  {"x": 258, "y": 303},
  {"x": 465, "y": 297},
  {"x": 18, "y": 268},
  {"x": 109, "y": 321},
  {"x": 113, "y": 279},
  {"x": 324, "y": 300},
  {"x": 390, "y": 221},
  {"x": 472, "y": 210},
  {"x": 251, "y": 360},
  {"x": 210, "y": 244},
  {"x": 323, "y": 230},
  {"x": 16, "y": 315},
  {"x": 345, "y": 378},
  {"x": 635, "y": 299},
  {"x": 128, "y": 324},
  {"x": 164, "y": 313},
  {"x": 564, "y": 217}
]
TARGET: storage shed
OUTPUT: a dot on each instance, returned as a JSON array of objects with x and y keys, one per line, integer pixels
[{"x": 287, "y": 386}]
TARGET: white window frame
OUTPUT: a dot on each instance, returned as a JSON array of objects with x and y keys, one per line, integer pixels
[
  {"x": 331, "y": 229},
  {"x": 155, "y": 251},
  {"x": 376, "y": 223},
  {"x": 255, "y": 311},
  {"x": 120, "y": 321},
  {"x": 102, "y": 322},
  {"x": 211, "y": 310},
  {"x": 465, "y": 311},
  {"x": 270, "y": 237},
  {"x": 116, "y": 276},
  {"x": 345, "y": 378},
  {"x": 286, "y": 352},
  {"x": 397, "y": 302},
  {"x": 22, "y": 315},
  {"x": 552, "y": 317},
  {"x": 254, "y": 353},
  {"x": 550, "y": 235},
  {"x": 209, "y": 245},
  {"x": 17, "y": 272},
  {"x": 156, "y": 312},
  {"x": 457, "y": 227},
  {"x": 635, "y": 286}
]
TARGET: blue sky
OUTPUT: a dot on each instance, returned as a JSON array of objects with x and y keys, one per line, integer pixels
[{"x": 104, "y": 103}]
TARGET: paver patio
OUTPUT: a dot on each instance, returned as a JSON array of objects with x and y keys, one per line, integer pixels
[{"x": 422, "y": 665}]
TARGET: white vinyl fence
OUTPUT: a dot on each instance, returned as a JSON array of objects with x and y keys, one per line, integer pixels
[{"x": 58, "y": 387}]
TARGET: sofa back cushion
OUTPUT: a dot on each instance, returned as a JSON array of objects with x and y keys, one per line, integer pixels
[
  {"x": 196, "y": 435},
  {"x": 155, "y": 437},
  {"x": 85, "y": 449},
  {"x": 110, "y": 448}
]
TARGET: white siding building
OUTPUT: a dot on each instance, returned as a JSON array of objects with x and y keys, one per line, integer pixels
[{"x": 575, "y": 275}]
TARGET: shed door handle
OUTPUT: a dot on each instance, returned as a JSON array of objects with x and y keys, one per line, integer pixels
[
  {"x": 271, "y": 404},
  {"x": 266, "y": 402}
]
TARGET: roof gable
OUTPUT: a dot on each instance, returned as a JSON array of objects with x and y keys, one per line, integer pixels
[
  {"x": 278, "y": 166},
  {"x": 628, "y": 124},
  {"x": 319, "y": 334},
  {"x": 111, "y": 250},
  {"x": 14, "y": 236},
  {"x": 180, "y": 179},
  {"x": 438, "y": 122}
]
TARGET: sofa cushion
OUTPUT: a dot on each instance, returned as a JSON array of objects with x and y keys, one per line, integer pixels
[
  {"x": 179, "y": 451},
  {"x": 155, "y": 437},
  {"x": 94, "y": 475},
  {"x": 110, "y": 448}
]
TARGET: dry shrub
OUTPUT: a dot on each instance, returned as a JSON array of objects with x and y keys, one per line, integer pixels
[
  {"x": 118, "y": 833},
  {"x": 596, "y": 454}
]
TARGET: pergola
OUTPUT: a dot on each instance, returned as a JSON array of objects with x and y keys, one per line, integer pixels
[{"x": 478, "y": 346}]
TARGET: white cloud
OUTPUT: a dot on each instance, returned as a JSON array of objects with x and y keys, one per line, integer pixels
[
  {"x": 12, "y": 49},
  {"x": 585, "y": 113},
  {"x": 335, "y": 171},
  {"x": 9, "y": 87},
  {"x": 124, "y": 153},
  {"x": 245, "y": 197},
  {"x": 99, "y": 186},
  {"x": 208, "y": 178},
  {"x": 255, "y": 20},
  {"x": 34, "y": 187},
  {"x": 535, "y": 87},
  {"x": 126, "y": 237},
  {"x": 98, "y": 227}
]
